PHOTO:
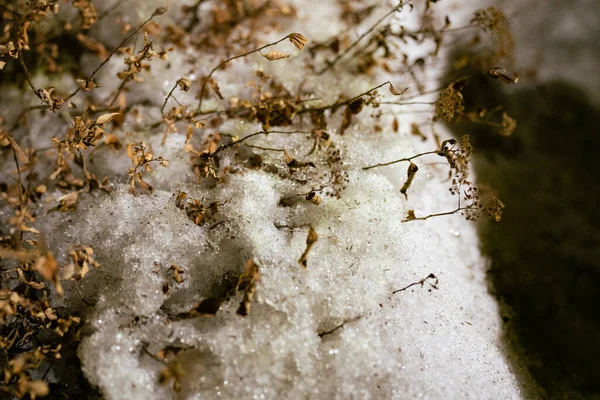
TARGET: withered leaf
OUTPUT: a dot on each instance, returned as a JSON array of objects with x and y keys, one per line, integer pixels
[
  {"x": 250, "y": 277},
  {"x": 293, "y": 163},
  {"x": 411, "y": 173},
  {"x": 311, "y": 239},
  {"x": 67, "y": 202},
  {"x": 106, "y": 118},
  {"x": 396, "y": 92},
  {"x": 501, "y": 74}
]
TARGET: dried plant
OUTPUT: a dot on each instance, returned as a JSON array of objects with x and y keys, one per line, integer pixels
[{"x": 31, "y": 274}]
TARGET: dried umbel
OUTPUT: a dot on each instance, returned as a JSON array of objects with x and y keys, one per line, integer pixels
[
  {"x": 450, "y": 104},
  {"x": 494, "y": 21}
]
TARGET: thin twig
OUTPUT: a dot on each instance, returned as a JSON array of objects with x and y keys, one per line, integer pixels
[
  {"x": 167, "y": 98},
  {"x": 345, "y": 102},
  {"x": 154, "y": 14},
  {"x": 421, "y": 282},
  {"x": 340, "y": 326},
  {"x": 233, "y": 143},
  {"x": 361, "y": 37},
  {"x": 436, "y": 215},
  {"x": 222, "y": 63},
  {"x": 400, "y": 160}
]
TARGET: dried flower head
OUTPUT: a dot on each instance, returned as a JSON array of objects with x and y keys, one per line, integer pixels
[
  {"x": 494, "y": 209},
  {"x": 298, "y": 40},
  {"x": 508, "y": 125},
  {"x": 449, "y": 104},
  {"x": 184, "y": 84},
  {"x": 274, "y": 55},
  {"x": 314, "y": 198}
]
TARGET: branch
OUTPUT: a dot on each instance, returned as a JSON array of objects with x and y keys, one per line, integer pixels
[
  {"x": 233, "y": 143},
  {"x": 421, "y": 282},
  {"x": 400, "y": 160},
  {"x": 345, "y": 102},
  {"x": 436, "y": 215},
  {"x": 220, "y": 65},
  {"x": 154, "y": 14}
]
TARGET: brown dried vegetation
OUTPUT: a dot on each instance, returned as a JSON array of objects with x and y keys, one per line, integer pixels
[{"x": 32, "y": 277}]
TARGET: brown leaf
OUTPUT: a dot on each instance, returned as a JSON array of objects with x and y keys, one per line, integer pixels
[
  {"x": 411, "y": 173},
  {"x": 250, "y": 277},
  {"x": 506, "y": 77},
  {"x": 106, "y": 118},
  {"x": 67, "y": 202},
  {"x": 311, "y": 239}
]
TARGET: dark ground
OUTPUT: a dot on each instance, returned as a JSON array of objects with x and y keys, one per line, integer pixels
[{"x": 545, "y": 253}]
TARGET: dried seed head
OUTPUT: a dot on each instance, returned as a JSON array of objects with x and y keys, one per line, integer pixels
[
  {"x": 298, "y": 40},
  {"x": 450, "y": 104},
  {"x": 274, "y": 55},
  {"x": 314, "y": 198},
  {"x": 184, "y": 84},
  {"x": 159, "y": 11}
]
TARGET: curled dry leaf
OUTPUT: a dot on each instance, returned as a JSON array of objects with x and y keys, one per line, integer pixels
[
  {"x": 67, "y": 202},
  {"x": 291, "y": 162},
  {"x": 411, "y": 173},
  {"x": 501, "y": 74},
  {"x": 298, "y": 40},
  {"x": 395, "y": 92},
  {"x": 311, "y": 239},
  {"x": 274, "y": 55},
  {"x": 87, "y": 85},
  {"x": 249, "y": 279}
]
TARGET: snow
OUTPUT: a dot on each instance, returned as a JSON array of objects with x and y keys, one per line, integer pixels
[{"x": 419, "y": 343}]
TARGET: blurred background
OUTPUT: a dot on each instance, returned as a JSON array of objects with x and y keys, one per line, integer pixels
[{"x": 545, "y": 253}]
